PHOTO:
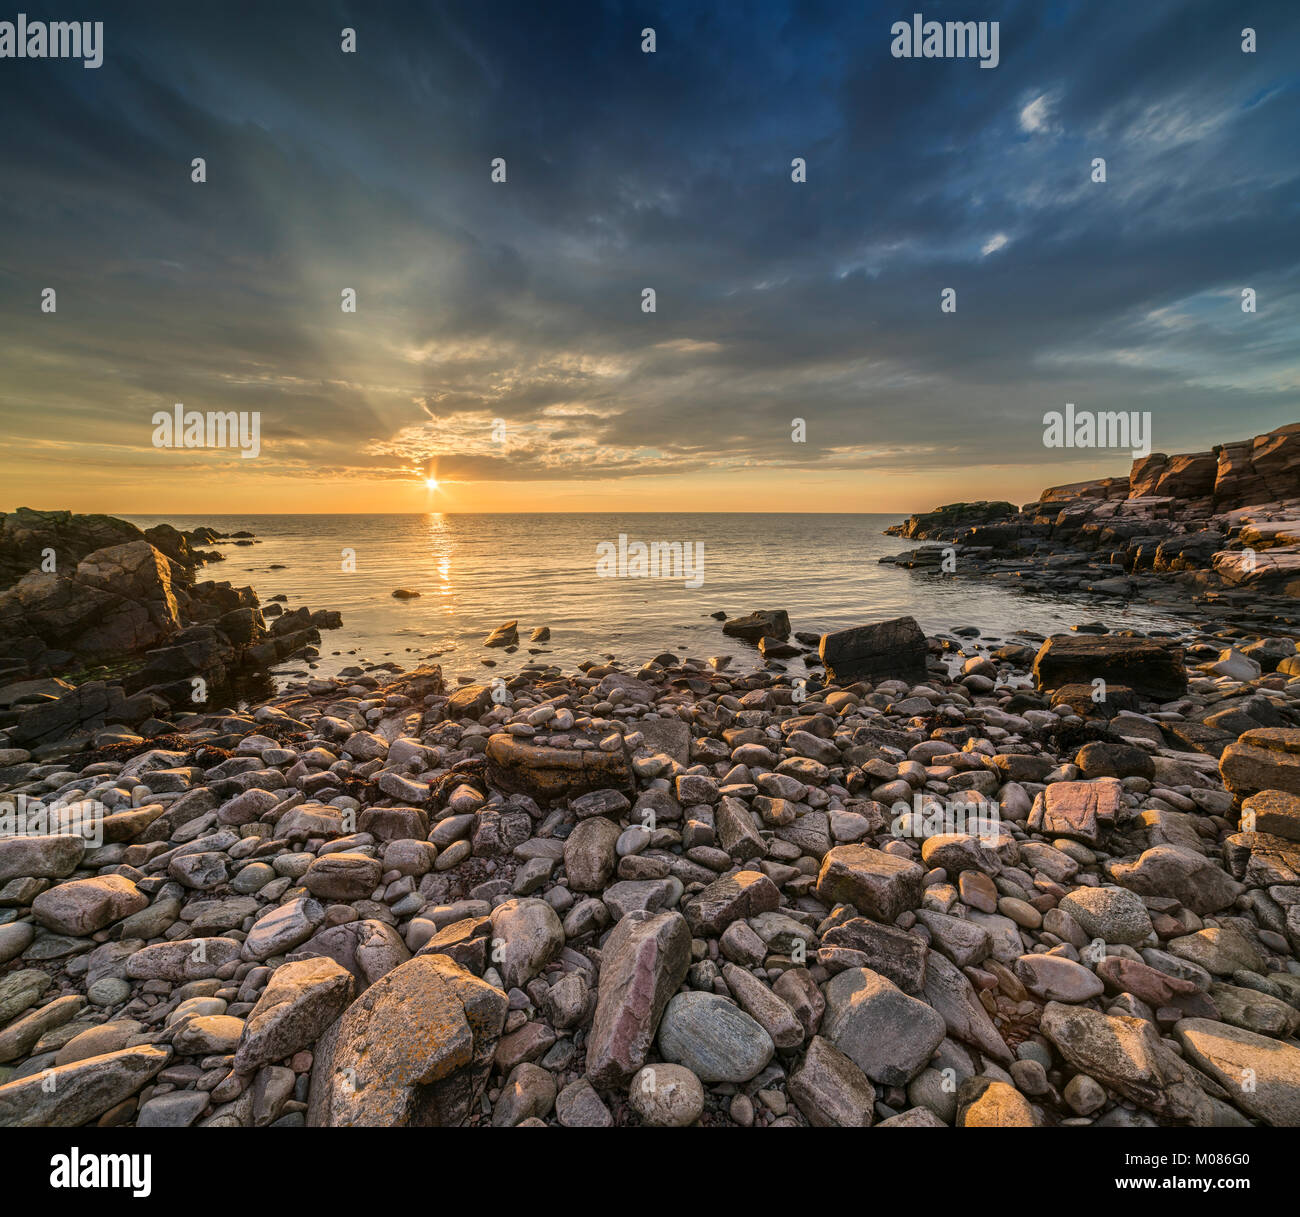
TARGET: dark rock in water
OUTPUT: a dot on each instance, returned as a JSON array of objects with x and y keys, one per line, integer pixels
[
  {"x": 773, "y": 648},
  {"x": 505, "y": 635},
  {"x": 1149, "y": 667},
  {"x": 883, "y": 649},
  {"x": 405, "y": 593},
  {"x": 951, "y": 517},
  {"x": 760, "y": 624}
]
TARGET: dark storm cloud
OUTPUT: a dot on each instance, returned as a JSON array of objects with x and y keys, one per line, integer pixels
[{"x": 776, "y": 300}]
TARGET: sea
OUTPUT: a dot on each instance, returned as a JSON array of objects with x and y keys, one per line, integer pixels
[{"x": 475, "y": 571}]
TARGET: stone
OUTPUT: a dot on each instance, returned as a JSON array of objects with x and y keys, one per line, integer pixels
[
  {"x": 894, "y": 649},
  {"x": 579, "y": 1106},
  {"x": 643, "y": 963},
  {"x": 879, "y": 885},
  {"x": 299, "y": 1003},
  {"x": 953, "y": 998},
  {"x": 666, "y": 1096},
  {"x": 1081, "y": 811},
  {"x": 759, "y": 624},
  {"x": 1150, "y": 667},
  {"x": 713, "y": 1038},
  {"x": 83, "y": 906},
  {"x": 736, "y": 832},
  {"x": 549, "y": 773},
  {"x": 368, "y": 949},
  {"x": 342, "y": 876},
  {"x": 1266, "y": 758},
  {"x": 415, "y": 1049},
  {"x": 589, "y": 854},
  {"x": 763, "y": 1006},
  {"x": 1220, "y": 950},
  {"x": 1113, "y": 914},
  {"x": 175, "y": 1109},
  {"x": 1231, "y": 1055},
  {"x": 830, "y": 1090},
  {"x": 887, "y": 1034},
  {"x": 529, "y": 935},
  {"x": 1127, "y": 1055},
  {"x": 984, "y": 1102},
  {"x": 68, "y": 1096},
  {"x": 178, "y": 962},
  {"x": 528, "y": 1093},
  {"x": 1272, "y": 811},
  {"x": 893, "y": 953},
  {"x": 1183, "y": 874},
  {"x": 40, "y": 857},
  {"x": 744, "y": 894},
  {"x": 207, "y": 1035},
  {"x": 1055, "y": 978},
  {"x": 283, "y": 928}
]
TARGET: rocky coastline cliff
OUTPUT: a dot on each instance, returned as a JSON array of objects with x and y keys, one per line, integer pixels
[{"x": 1217, "y": 531}]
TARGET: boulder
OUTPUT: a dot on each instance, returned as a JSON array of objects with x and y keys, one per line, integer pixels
[
  {"x": 1150, "y": 667},
  {"x": 759, "y": 624},
  {"x": 546, "y": 773},
  {"x": 83, "y": 906},
  {"x": 299, "y": 1003},
  {"x": 1127, "y": 1055},
  {"x": 643, "y": 963},
  {"x": 888, "y": 1035},
  {"x": 1266, "y": 758},
  {"x": 879, "y": 885},
  {"x": 713, "y": 1038},
  {"x": 894, "y": 649},
  {"x": 415, "y": 1049}
]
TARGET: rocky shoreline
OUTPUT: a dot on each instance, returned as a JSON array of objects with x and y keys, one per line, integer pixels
[
  {"x": 1210, "y": 535},
  {"x": 105, "y": 630},
  {"x": 959, "y": 880}
]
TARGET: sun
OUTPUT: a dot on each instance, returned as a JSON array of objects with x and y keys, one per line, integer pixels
[{"x": 431, "y": 483}]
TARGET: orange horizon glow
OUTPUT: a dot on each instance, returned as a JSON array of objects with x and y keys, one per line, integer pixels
[{"x": 233, "y": 489}]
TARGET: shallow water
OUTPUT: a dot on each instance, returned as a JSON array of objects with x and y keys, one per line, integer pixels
[{"x": 475, "y": 571}]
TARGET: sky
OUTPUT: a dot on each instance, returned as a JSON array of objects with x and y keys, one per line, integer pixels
[{"x": 500, "y": 345}]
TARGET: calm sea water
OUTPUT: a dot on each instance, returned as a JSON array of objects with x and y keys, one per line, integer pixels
[{"x": 475, "y": 571}]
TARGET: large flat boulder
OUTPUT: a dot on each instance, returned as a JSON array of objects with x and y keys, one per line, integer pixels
[
  {"x": 1232, "y": 1056},
  {"x": 68, "y": 1096},
  {"x": 516, "y": 766},
  {"x": 1082, "y": 811},
  {"x": 1150, "y": 667},
  {"x": 1267, "y": 758},
  {"x": 763, "y": 623}
]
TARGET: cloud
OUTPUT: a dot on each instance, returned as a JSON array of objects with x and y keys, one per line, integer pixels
[
  {"x": 775, "y": 299},
  {"x": 1036, "y": 116}
]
